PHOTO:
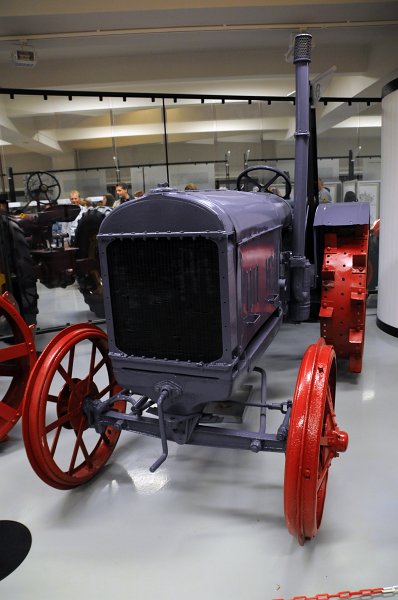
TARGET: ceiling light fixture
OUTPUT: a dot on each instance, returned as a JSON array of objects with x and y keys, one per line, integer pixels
[{"x": 24, "y": 56}]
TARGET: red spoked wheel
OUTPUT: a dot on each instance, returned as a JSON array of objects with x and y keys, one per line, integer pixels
[
  {"x": 313, "y": 441},
  {"x": 344, "y": 292},
  {"x": 61, "y": 448},
  {"x": 17, "y": 357}
]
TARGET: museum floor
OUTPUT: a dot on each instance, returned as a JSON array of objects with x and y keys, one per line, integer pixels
[{"x": 209, "y": 524}]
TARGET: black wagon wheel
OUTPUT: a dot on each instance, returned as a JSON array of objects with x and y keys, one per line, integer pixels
[
  {"x": 244, "y": 179},
  {"x": 43, "y": 187}
]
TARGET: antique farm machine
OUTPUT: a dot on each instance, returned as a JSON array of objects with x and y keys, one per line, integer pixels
[
  {"x": 26, "y": 254},
  {"x": 196, "y": 285},
  {"x": 18, "y": 308},
  {"x": 59, "y": 261},
  {"x": 30, "y": 251}
]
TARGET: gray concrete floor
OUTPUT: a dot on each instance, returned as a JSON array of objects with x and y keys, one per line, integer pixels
[{"x": 210, "y": 523}]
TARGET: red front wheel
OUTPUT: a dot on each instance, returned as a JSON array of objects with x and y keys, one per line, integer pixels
[
  {"x": 61, "y": 448},
  {"x": 313, "y": 441}
]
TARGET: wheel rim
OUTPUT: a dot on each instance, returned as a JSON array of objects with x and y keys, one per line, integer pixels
[
  {"x": 313, "y": 441},
  {"x": 16, "y": 361},
  {"x": 61, "y": 448},
  {"x": 344, "y": 292}
]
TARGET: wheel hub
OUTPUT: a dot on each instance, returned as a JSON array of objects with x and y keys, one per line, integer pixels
[
  {"x": 70, "y": 402},
  {"x": 336, "y": 441}
]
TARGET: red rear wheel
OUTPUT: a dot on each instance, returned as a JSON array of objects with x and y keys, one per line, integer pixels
[
  {"x": 17, "y": 357},
  {"x": 61, "y": 448},
  {"x": 313, "y": 441},
  {"x": 344, "y": 293}
]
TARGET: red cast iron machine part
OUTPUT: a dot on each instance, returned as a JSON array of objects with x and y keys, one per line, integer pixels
[
  {"x": 17, "y": 357},
  {"x": 61, "y": 448},
  {"x": 344, "y": 292},
  {"x": 314, "y": 439}
]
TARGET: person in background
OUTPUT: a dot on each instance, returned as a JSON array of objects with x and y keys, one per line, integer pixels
[
  {"x": 350, "y": 197},
  {"x": 108, "y": 200},
  {"x": 106, "y": 204},
  {"x": 138, "y": 194},
  {"x": 122, "y": 194},
  {"x": 70, "y": 228},
  {"x": 74, "y": 197},
  {"x": 191, "y": 186},
  {"x": 323, "y": 194}
]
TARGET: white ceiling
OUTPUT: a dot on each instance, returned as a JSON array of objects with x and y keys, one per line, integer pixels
[{"x": 203, "y": 47}]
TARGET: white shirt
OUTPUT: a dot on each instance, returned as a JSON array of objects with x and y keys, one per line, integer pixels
[{"x": 70, "y": 228}]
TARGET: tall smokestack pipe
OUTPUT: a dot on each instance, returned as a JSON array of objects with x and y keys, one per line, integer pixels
[
  {"x": 302, "y": 272},
  {"x": 302, "y": 58}
]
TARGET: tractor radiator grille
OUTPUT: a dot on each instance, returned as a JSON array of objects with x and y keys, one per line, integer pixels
[{"x": 165, "y": 296}]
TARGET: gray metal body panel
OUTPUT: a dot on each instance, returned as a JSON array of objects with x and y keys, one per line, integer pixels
[{"x": 342, "y": 213}]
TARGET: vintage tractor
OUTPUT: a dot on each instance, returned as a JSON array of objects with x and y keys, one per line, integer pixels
[
  {"x": 196, "y": 286},
  {"x": 18, "y": 309},
  {"x": 54, "y": 262},
  {"x": 17, "y": 269},
  {"x": 57, "y": 262},
  {"x": 29, "y": 252}
]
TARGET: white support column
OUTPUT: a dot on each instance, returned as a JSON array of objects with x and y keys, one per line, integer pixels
[{"x": 387, "y": 304}]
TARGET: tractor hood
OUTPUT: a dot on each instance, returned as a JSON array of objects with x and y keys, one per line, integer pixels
[{"x": 167, "y": 210}]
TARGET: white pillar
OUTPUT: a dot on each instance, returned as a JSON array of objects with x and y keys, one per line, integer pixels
[{"x": 387, "y": 304}]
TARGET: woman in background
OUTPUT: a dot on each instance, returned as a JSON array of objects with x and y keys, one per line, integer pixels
[{"x": 107, "y": 203}]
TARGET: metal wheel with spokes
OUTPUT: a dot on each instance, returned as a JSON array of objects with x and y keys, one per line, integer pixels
[
  {"x": 344, "y": 293},
  {"x": 43, "y": 188},
  {"x": 61, "y": 448},
  {"x": 17, "y": 357},
  {"x": 244, "y": 179},
  {"x": 314, "y": 439}
]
